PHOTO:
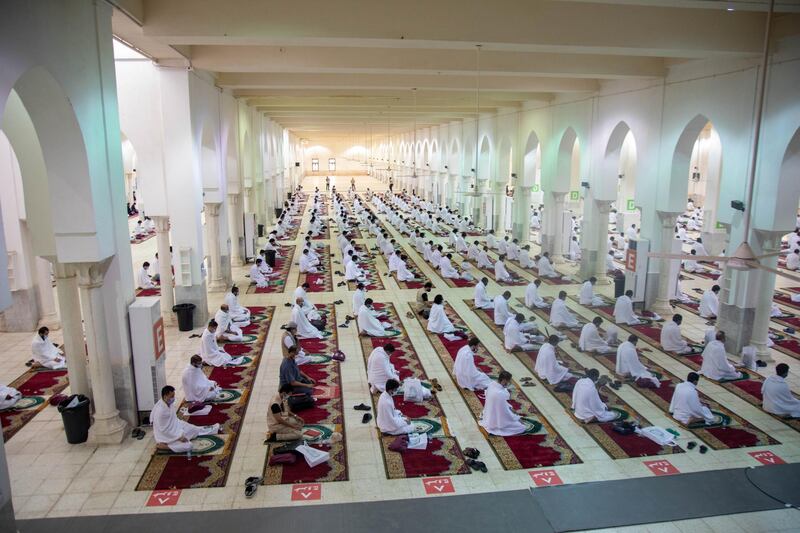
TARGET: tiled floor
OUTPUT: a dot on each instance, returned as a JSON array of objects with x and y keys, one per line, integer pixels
[{"x": 51, "y": 478}]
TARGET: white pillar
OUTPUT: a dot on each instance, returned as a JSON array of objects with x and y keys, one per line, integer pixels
[
  {"x": 770, "y": 243},
  {"x": 235, "y": 222},
  {"x": 520, "y": 214},
  {"x": 600, "y": 230},
  {"x": 553, "y": 227},
  {"x": 216, "y": 283},
  {"x": 47, "y": 304},
  {"x": 69, "y": 305},
  {"x": 108, "y": 427},
  {"x": 165, "y": 269},
  {"x": 663, "y": 297}
]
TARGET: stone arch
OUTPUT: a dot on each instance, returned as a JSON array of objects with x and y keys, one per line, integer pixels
[
  {"x": 620, "y": 165},
  {"x": 789, "y": 182},
  {"x": 484, "y": 159}
]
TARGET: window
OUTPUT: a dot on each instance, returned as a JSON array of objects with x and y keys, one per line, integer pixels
[
  {"x": 315, "y": 165},
  {"x": 332, "y": 164}
]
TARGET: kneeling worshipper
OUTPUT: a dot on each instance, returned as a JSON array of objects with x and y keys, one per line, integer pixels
[
  {"x": 715, "y": 361},
  {"x": 777, "y": 398},
  {"x": 591, "y": 340},
  {"x": 306, "y": 328},
  {"x": 685, "y": 405},
  {"x": 45, "y": 353},
  {"x": 586, "y": 400},
  {"x": 144, "y": 280},
  {"x": 352, "y": 272},
  {"x": 623, "y": 310},
  {"x": 501, "y": 273},
  {"x": 282, "y": 424},
  {"x": 239, "y": 313},
  {"x": 308, "y": 308},
  {"x": 368, "y": 323},
  {"x": 532, "y": 298},
  {"x": 289, "y": 373},
  {"x": 586, "y": 295},
  {"x": 545, "y": 268},
  {"x": 9, "y": 396},
  {"x": 226, "y": 328},
  {"x": 483, "y": 259},
  {"x": 256, "y": 276},
  {"x": 467, "y": 374},
  {"x": 547, "y": 366},
  {"x": 501, "y": 310},
  {"x": 391, "y": 421},
  {"x": 197, "y": 388},
  {"x": 482, "y": 299},
  {"x": 498, "y": 418},
  {"x": 403, "y": 273},
  {"x": 671, "y": 338},
  {"x": 308, "y": 263},
  {"x": 380, "y": 368},
  {"x": 422, "y": 302},
  {"x": 437, "y": 319},
  {"x": 289, "y": 340},
  {"x": 516, "y": 336},
  {"x": 446, "y": 267},
  {"x": 628, "y": 364},
  {"x": 169, "y": 431},
  {"x": 525, "y": 260},
  {"x": 560, "y": 315},
  {"x": 709, "y": 303},
  {"x": 210, "y": 351}
]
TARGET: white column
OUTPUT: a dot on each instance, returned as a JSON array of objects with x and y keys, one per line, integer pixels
[
  {"x": 248, "y": 199},
  {"x": 600, "y": 229},
  {"x": 235, "y": 227},
  {"x": 69, "y": 305},
  {"x": 165, "y": 269},
  {"x": 770, "y": 243},
  {"x": 47, "y": 304},
  {"x": 663, "y": 297},
  {"x": 520, "y": 214},
  {"x": 108, "y": 427},
  {"x": 216, "y": 283},
  {"x": 551, "y": 239}
]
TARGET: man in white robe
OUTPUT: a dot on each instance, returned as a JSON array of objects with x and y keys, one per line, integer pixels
[
  {"x": 446, "y": 267},
  {"x": 502, "y": 311},
  {"x": 308, "y": 264},
  {"x": 239, "y": 313},
  {"x": 545, "y": 268},
  {"x": 525, "y": 260},
  {"x": 498, "y": 418},
  {"x": 591, "y": 340},
  {"x": 500, "y": 271},
  {"x": 671, "y": 338},
  {"x": 171, "y": 432},
  {"x": 368, "y": 323},
  {"x": 197, "y": 388},
  {"x": 628, "y": 363},
  {"x": 574, "y": 249},
  {"x": 352, "y": 272},
  {"x": 391, "y": 421},
  {"x": 532, "y": 298},
  {"x": 437, "y": 319},
  {"x": 560, "y": 316},
  {"x": 473, "y": 251},
  {"x": 586, "y": 402},
  {"x": 586, "y": 294},
  {"x": 45, "y": 353},
  {"x": 359, "y": 296},
  {"x": 793, "y": 260},
  {"x": 226, "y": 328},
  {"x": 685, "y": 406},
  {"x": 305, "y": 329},
  {"x": 483, "y": 259},
  {"x": 210, "y": 351},
  {"x": 9, "y": 396},
  {"x": 709, "y": 303},
  {"x": 301, "y": 291},
  {"x": 394, "y": 261},
  {"x": 461, "y": 243},
  {"x": 482, "y": 299},
  {"x": 623, "y": 310},
  {"x": 256, "y": 276},
  {"x": 467, "y": 374},
  {"x": 380, "y": 368},
  {"x": 777, "y": 397},
  {"x": 403, "y": 273},
  {"x": 715, "y": 361},
  {"x": 491, "y": 239},
  {"x": 516, "y": 334},
  {"x": 144, "y": 280},
  {"x": 548, "y": 367}
]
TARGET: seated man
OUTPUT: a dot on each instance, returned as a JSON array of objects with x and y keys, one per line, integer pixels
[
  {"x": 391, "y": 421},
  {"x": 502, "y": 311},
  {"x": 491, "y": 239},
  {"x": 671, "y": 338},
  {"x": 498, "y": 418},
  {"x": 483, "y": 259},
  {"x": 560, "y": 316},
  {"x": 290, "y": 339},
  {"x": 290, "y": 374},
  {"x": 628, "y": 364},
  {"x": 446, "y": 267},
  {"x": 306, "y": 328},
  {"x": 691, "y": 265},
  {"x": 513, "y": 250},
  {"x": 482, "y": 300},
  {"x": 308, "y": 264},
  {"x": 169, "y": 431},
  {"x": 586, "y": 294},
  {"x": 423, "y": 301},
  {"x": 239, "y": 313},
  {"x": 715, "y": 361},
  {"x": 591, "y": 340},
  {"x": 545, "y": 268},
  {"x": 467, "y": 374},
  {"x": 586, "y": 402},
  {"x": 226, "y": 328},
  {"x": 45, "y": 353},
  {"x": 709, "y": 303},
  {"x": 403, "y": 273},
  {"x": 210, "y": 351},
  {"x": 501, "y": 273},
  {"x": 623, "y": 310},
  {"x": 685, "y": 406},
  {"x": 793, "y": 260},
  {"x": 574, "y": 253},
  {"x": 380, "y": 368},
  {"x": 282, "y": 424},
  {"x": 532, "y": 298},
  {"x": 256, "y": 276},
  {"x": 525, "y": 260},
  {"x": 437, "y": 319},
  {"x": 473, "y": 251},
  {"x": 309, "y": 308},
  {"x": 548, "y": 367},
  {"x": 352, "y": 272},
  {"x": 368, "y": 323},
  {"x": 359, "y": 296},
  {"x": 197, "y": 388},
  {"x": 9, "y": 396},
  {"x": 516, "y": 336},
  {"x": 777, "y": 397},
  {"x": 143, "y": 279}
]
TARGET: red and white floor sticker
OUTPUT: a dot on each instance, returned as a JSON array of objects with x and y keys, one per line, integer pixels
[
  {"x": 306, "y": 492},
  {"x": 438, "y": 485},
  {"x": 766, "y": 457},
  {"x": 545, "y": 478},
  {"x": 163, "y": 498},
  {"x": 661, "y": 468}
]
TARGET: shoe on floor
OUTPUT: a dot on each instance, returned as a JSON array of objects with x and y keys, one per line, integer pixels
[
  {"x": 366, "y": 418},
  {"x": 362, "y": 407}
]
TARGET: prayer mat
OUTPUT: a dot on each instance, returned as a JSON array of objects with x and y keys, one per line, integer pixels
[
  {"x": 419, "y": 278},
  {"x": 147, "y": 237},
  {"x": 37, "y": 387},
  {"x": 372, "y": 276},
  {"x": 551, "y": 281},
  {"x": 706, "y": 274},
  {"x": 211, "y": 458},
  {"x": 321, "y": 281},
  {"x": 291, "y": 235},
  {"x": 324, "y": 235},
  {"x": 541, "y": 446},
  {"x": 277, "y": 284},
  {"x": 783, "y": 298},
  {"x": 149, "y": 292},
  {"x": 785, "y": 343},
  {"x": 489, "y": 273},
  {"x": 322, "y": 420},
  {"x": 443, "y": 456}
]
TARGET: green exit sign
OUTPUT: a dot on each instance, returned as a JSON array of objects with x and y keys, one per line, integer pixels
[
  {"x": 536, "y": 187},
  {"x": 719, "y": 225},
  {"x": 574, "y": 195},
  {"x": 631, "y": 205}
]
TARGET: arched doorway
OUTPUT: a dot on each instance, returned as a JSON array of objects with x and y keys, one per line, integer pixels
[
  {"x": 531, "y": 180},
  {"x": 568, "y": 177},
  {"x": 482, "y": 208},
  {"x": 619, "y": 163}
]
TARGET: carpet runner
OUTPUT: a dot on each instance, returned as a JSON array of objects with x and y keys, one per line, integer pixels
[
  {"x": 212, "y": 456},
  {"x": 149, "y": 292},
  {"x": 373, "y": 281},
  {"x": 321, "y": 281},
  {"x": 147, "y": 237},
  {"x": 37, "y": 387},
  {"x": 277, "y": 284},
  {"x": 541, "y": 445},
  {"x": 786, "y": 299},
  {"x": 419, "y": 278}
]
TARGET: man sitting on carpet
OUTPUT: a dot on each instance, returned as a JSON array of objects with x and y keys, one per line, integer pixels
[
  {"x": 210, "y": 351},
  {"x": 501, "y": 273},
  {"x": 548, "y": 367},
  {"x": 525, "y": 260},
  {"x": 685, "y": 405},
  {"x": 709, "y": 303},
  {"x": 586, "y": 295},
  {"x": 226, "y": 328},
  {"x": 560, "y": 316},
  {"x": 45, "y": 353},
  {"x": 467, "y": 374},
  {"x": 308, "y": 264},
  {"x": 482, "y": 300},
  {"x": 715, "y": 361},
  {"x": 438, "y": 322},
  {"x": 368, "y": 323},
  {"x": 623, "y": 310},
  {"x": 290, "y": 339},
  {"x": 282, "y": 424},
  {"x": 502, "y": 311},
  {"x": 144, "y": 280},
  {"x": 423, "y": 302},
  {"x": 586, "y": 402},
  {"x": 446, "y": 267},
  {"x": 629, "y": 365},
  {"x": 591, "y": 340},
  {"x": 671, "y": 338},
  {"x": 306, "y": 328},
  {"x": 545, "y": 268},
  {"x": 483, "y": 259},
  {"x": 170, "y": 432},
  {"x": 291, "y": 374},
  {"x": 256, "y": 276},
  {"x": 532, "y": 298},
  {"x": 239, "y": 313},
  {"x": 498, "y": 418},
  {"x": 380, "y": 368},
  {"x": 777, "y": 397},
  {"x": 391, "y": 421},
  {"x": 197, "y": 388},
  {"x": 521, "y": 335},
  {"x": 9, "y": 396}
]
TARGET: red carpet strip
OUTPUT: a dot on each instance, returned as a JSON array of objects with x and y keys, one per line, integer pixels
[
  {"x": 149, "y": 292},
  {"x": 140, "y": 240},
  {"x": 36, "y": 387},
  {"x": 278, "y": 283}
]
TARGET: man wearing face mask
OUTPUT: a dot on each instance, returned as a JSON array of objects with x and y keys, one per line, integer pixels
[
  {"x": 45, "y": 353},
  {"x": 282, "y": 424},
  {"x": 197, "y": 387},
  {"x": 169, "y": 431}
]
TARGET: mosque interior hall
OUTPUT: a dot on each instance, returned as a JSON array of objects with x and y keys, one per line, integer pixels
[{"x": 340, "y": 265}]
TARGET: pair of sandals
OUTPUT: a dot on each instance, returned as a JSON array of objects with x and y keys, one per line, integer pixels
[
  {"x": 692, "y": 444},
  {"x": 251, "y": 485},
  {"x": 137, "y": 433},
  {"x": 472, "y": 455},
  {"x": 367, "y": 416},
  {"x": 435, "y": 384},
  {"x": 527, "y": 382}
]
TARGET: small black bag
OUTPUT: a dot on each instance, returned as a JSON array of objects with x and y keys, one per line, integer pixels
[
  {"x": 298, "y": 402},
  {"x": 624, "y": 428}
]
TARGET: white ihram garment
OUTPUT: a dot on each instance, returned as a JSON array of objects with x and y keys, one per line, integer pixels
[
  {"x": 591, "y": 341},
  {"x": 672, "y": 340},
  {"x": 685, "y": 405},
  {"x": 389, "y": 419},
  {"x": 305, "y": 329},
  {"x": 547, "y": 366},
  {"x": 197, "y": 387},
  {"x": 561, "y": 316},
  {"x": 369, "y": 323},
  {"x": 168, "y": 429},
  {"x": 380, "y": 369},
  {"x": 532, "y": 298},
  {"x": 467, "y": 374},
  {"x": 212, "y": 354},
  {"x": 586, "y": 295},
  {"x": 709, "y": 304},
  {"x": 587, "y": 404},
  {"x": 778, "y": 399},
  {"x": 501, "y": 311},
  {"x": 628, "y": 364},
  {"x": 482, "y": 300},
  {"x": 46, "y": 354},
  {"x": 623, "y": 311},
  {"x": 497, "y": 417},
  {"x": 438, "y": 321},
  {"x": 715, "y": 363}
]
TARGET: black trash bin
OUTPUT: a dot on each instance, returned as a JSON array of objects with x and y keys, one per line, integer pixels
[
  {"x": 619, "y": 286},
  {"x": 269, "y": 256},
  {"x": 261, "y": 230},
  {"x": 185, "y": 312},
  {"x": 76, "y": 418}
]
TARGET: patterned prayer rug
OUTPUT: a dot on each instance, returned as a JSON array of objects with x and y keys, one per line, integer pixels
[
  {"x": 443, "y": 456},
  {"x": 322, "y": 420},
  {"x": 321, "y": 281},
  {"x": 419, "y": 278},
  {"x": 489, "y": 273},
  {"x": 277, "y": 284},
  {"x": 146, "y": 237},
  {"x": 783, "y": 298},
  {"x": 373, "y": 277},
  {"x": 211, "y": 458},
  {"x": 37, "y": 387},
  {"x": 541, "y": 446},
  {"x": 149, "y": 292},
  {"x": 785, "y": 343}
]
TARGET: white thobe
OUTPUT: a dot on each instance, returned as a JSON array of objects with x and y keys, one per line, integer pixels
[
  {"x": 473, "y": 252},
  {"x": 545, "y": 268},
  {"x": 358, "y": 299},
  {"x": 394, "y": 261},
  {"x": 403, "y": 274},
  {"x": 438, "y": 321},
  {"x": 574, "y": 251},
  {"x": 226, "y": 329},
  {"x": 497, "y": 417},
  {"x": 587, "y": 404},
  {"x": 685, "y": 404},
  {"x": 389, "y": 419},
  {"x": 484, "y": 261},
  {"x": 352, "y": 272},
  {"x": 238, "y": 312},
  {"x": 623, "y": 311},
  {"x": 672, "y": 340},
  {"x": 380, "y": 369},
  {"x": 212, "y": 354},
  {"x": 257, "y": 277},
  {"x": 169, "y": 429},
  {"x": 561, "y": 316},
  {"x": 715, "y": 363},
  {"x": 305, "y": 330},
  {"x": 709, "y": 304},
  {"x": 547, "y": 366},
  {"x": 525, "y": 259},
  {"x": 793, "y": 261},
  {"x": 514, "y": 335},
  {"x": 591, "y": 341},
  {"x": 308, "y": 307},
  {"x": 501, "y": 312},
  {"x": 532, "y": 297},
  {"x": 308, "y": 265},
  {"x": 461, "y": 244},
  {"x": 9, "y": 396},
  {"x": 777, "y": 398},
  {"x": 628, "y": 364},
  {"x": 491, "y": 241},
  {"x": 586, "y": 295},
  {"x": 436, "y": 258},
  {"x": 369, "y": 323},
  {"x": 500, "y": 272},
  {"x": 144, "y": 280},
  {"x": 46, "y": 354},
  {"x": 197, "y": 387},
  {"x": 446, "y": 268},
  {"x": 467, "y": 374}
]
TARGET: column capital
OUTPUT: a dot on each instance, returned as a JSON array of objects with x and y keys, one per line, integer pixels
[
  {"x": 604, "y": 206},
  {"x": 212, "y": 209},
  {"x": 162, "y": 223},
  {"x": 91, "y": 275},
  {"x": 233, "y": 198},
  {"x": 63, "y": 270},
  {"x": 668, "y": 218}
]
